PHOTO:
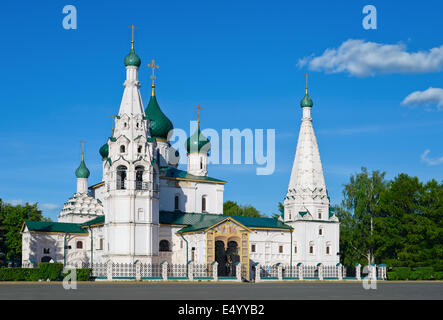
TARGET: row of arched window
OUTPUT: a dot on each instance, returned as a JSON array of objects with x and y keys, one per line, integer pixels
[
  {"x": 177, "y": 203},
  {"x": 122, "y": 177}
]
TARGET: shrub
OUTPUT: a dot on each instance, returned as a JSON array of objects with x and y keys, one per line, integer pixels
[
  {"x": 438, "y": 275},
  {"x": 424, "y": 273},
  {"x": 391, "y": 275},
  {"x": 402, "y": 272},
  {"x": 414, "y": 275},
  {"x": 19, "y": 274},
  {"x": 51, "y": 271},
  {"x": 82, "y": 274}
]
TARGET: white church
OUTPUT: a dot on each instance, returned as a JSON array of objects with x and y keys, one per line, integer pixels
[{"x": 146, "y": 209}]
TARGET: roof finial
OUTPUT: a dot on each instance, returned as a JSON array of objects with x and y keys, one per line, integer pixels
[
  {"x": 83, "y": 149},
  {"x": 113, "y": 116},
  {"x": 306, "y": 83},
  {"x": 198, "y": 114},
  {"x": 132, "y": 41},
  {"x": 153, "y": 66}
]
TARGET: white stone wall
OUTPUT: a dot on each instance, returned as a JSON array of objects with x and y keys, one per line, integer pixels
[{"x": 190, "y": 194}]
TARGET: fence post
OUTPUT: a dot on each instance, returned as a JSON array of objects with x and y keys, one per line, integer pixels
[
  {"x": 238, "y": 270},
  {"x": 257, "y": 272},
  {"x": 320, "y": 271},
  {"x": 339, "y": 271},
  {"x": 190, "y": 270},
  {"x": 300, "y": 270},
  {"x": 109, "y": 270},
  {"x": 138, "y": 272},
  {"x": 279, "y": 271},
  {"x": 164, "y": 265},
  {"x": 383, "y": 271},
  {"x": 373, "y": 272},
  {"x": 358, "y": 271},
  {"x": 215, "y": 271}
]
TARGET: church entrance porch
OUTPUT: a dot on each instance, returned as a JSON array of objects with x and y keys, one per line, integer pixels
[{"x": 228, "y": 245}]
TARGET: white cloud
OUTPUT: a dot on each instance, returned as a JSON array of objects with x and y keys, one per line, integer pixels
[
  {"x": 16, "y": 202},
  {"x": 361, "y": 58},
  {"x": 431, "y": 96},
  {"x": 49, "y": 206},
  {"x": 430, "y": 161}
]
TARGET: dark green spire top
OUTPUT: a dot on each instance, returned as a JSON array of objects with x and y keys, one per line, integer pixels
[
  {"x": 82, "y": 171},
  {"x": 159, "y": 124},
  {"x": 104, "y": 151},
  {"x": 306, "y": 102},
  {"x": 197, "y": 142},
  {"x": 132, "y": 59}
]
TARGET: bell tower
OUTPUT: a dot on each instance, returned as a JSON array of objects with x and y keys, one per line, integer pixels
[{"x": 131, "y": 204}]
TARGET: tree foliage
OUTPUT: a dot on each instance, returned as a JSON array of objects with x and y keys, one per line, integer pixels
[
  {"x": 398, "y": 222},
  {"x": 12, "y": 218},
  {"x": 232, "y": 208}
]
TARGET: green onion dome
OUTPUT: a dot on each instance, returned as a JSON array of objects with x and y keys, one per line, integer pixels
[
  {"x": 132, "y": 59},
  {"x": 196, "y": 142},
  {"x": 82, "y": 171},
  {"x": 159, "y": 124},
  {"x": 104, "y": 151},
  {"x": 306, "y": 102}
]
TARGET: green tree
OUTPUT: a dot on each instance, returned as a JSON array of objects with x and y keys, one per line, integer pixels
[
  {"x": 410, "y": 223},
  {"x": 12, "y": 219},
  {"x": 232, "y": 208},
  {"x": 281, "y": 211},
  {"x": 361, "y": 198}
]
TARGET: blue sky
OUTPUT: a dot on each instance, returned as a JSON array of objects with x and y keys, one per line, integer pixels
[{"x": 244, "y": 61}]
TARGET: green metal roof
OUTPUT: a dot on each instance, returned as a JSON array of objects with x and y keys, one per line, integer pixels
[
  {"x": 57, "y": 227},
  {"x": 202, "y": 221},
  {"x": 159, "y": 124},
  {"x": 197, "y": 142},
  {"x": 82, "y": 171},
  {"x": 306, "y": 102},
  {"x": 132, "y": 59},
  {"x": 98, "y": 220},
  {"x": 170, "y": 172}
]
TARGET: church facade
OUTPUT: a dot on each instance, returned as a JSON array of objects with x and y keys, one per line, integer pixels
[{"x": 146, "y": 209}]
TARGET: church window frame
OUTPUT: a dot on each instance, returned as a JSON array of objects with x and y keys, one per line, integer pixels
[
  {"x": 280, "y": 249},
  {"x": 164, "y": 246},
  {"x": 46, "y": 251},
  {"x": 204, "y": 203},
  {"x": 253, "y": 248},
  {"x": 79, "y": 245},
  {"x": 177, "y": 202},
  {"x": 311, "y": 248},
  {"x": 122, "y": 148},
  {"x": 139, "y": 171},
  {"x": 122, "y": 177},
  {"x": 100, "y": 244}
]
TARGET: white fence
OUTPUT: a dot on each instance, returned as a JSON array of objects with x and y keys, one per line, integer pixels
[{"x": 191, "y": 271}]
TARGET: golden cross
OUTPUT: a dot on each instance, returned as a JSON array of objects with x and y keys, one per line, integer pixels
[
  {"x": 198, "y": 113},
  {"x": 153, "y": 66},
  {"x": 132, "y": 42},
  {"x": 307, "y": 75},
  {"x": 83, "y": 148},
  {"x": 113, "y": 116}
]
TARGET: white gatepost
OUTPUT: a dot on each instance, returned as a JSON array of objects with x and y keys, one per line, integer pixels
[
  {"x": 339, "y": 271},
  {"x": 190, "y": 270},
  {"x": 238, "y": 271},
  {"x": 109, "y": 270},
  {"x": 320, "y": 271},
  {"x": 138, "y": 270},
  {"x": 358, "y": 271},
  {"x": 373, "y": 272},
  {"x": 257, "y": 272},
  {"x": 215, "y": 271},
  {"x": 300, "y": 271},
  {"x": 279, "y": 271},
  {"x": 164, "y": 265},
  {"x": 383, "y": 271}
]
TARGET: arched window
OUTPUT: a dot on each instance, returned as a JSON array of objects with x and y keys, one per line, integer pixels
[
  {"x": 164, "y": 246},
  {"x": 177, "y": 202},
  {"x": 139, "y": 150},
  {"x": 139, "y": 177},
  {"x": 121, "y": 177},
  {"x": 122, "y": 149},
  {"x": 79, "y": 245},
  {"x": 101, "y": 244},
  {"x": 204, "y": 204},
  {"x": 201, "y": 163},
  {"x": 311, "y": 247}
]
